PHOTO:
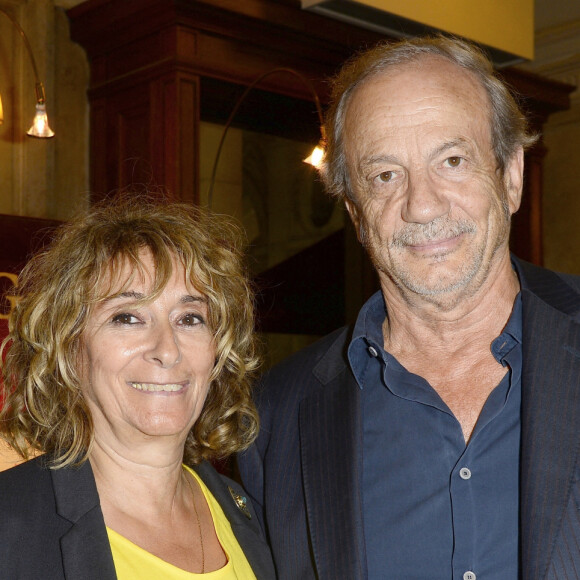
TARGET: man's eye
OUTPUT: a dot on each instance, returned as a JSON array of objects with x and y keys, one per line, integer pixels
[
  {"x": 125, "y": 318},
  {"x": 454, "y": 161},
  {"x": 385, "y": 176}
]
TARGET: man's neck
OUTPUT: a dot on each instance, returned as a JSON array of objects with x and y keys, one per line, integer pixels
[
  {"x": 451, "y": 347},
  {"x": 450, "y": 323}
]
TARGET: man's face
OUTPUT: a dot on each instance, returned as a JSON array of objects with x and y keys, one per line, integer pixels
[{"x": 429, "y": 203}]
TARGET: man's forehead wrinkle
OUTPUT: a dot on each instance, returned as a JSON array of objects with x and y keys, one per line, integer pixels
[
  {"x": 437, "y": 149},
  {"x": 430, "y": 74},
  {"x": 418, "y": 124},
  {"x": 412, "y": 112},
  {"x": 369, "y": 158},
  {"x": 401, "y": 110}
]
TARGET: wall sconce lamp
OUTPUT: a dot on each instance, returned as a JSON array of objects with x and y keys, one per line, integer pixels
[
  {"x": 39, "y": 126},
  {"x": 317, "y": 155}
]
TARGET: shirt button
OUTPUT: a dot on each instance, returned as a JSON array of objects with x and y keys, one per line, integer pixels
[
  {"x": 469, "y": 575},
  {"x": 373, "y": 351},
  {"x": 465, "y": 473}
]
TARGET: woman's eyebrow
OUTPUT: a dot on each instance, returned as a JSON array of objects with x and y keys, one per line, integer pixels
[
  {"x": 127, "y": 294},
  {"x": 190, "y": 298},
  {"x": 185, "y": 299}
]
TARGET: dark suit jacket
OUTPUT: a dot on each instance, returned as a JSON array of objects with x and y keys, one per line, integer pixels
[
  {"x": 52, "y": 527},
  {"x": 304, "y": 472}
]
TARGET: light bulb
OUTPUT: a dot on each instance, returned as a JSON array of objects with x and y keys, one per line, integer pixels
[
  {"x": 316, "y": 157},
  {"x": 40, "y": 126}
]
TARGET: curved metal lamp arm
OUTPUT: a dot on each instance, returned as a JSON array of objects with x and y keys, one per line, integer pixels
[
  {"x": 40, "y": 126},
  {"x": 25, "y": 40},
  {"x": 241, "y": 99}
]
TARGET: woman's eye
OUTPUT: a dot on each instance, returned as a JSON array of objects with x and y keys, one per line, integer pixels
[
  {"x": 191, "y": 320},
  {"x": 385, "y": 176},
  {"x": 125, "y": 318},
  {"x": 454, "y": 161}
]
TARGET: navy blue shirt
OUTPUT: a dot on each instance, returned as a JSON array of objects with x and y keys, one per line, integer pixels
[{"x": 434, "y": 507}]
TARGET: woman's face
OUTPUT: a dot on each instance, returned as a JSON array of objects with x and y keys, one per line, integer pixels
[{"x": 146, "y": 366}]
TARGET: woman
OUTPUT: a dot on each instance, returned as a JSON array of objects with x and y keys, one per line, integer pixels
[{"x": 128, "y": 367}]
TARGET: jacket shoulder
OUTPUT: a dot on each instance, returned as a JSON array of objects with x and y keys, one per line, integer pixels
[
  {"x": 325, "y": 358},
  {"x": 26, "y": 486},
  {"x": 571, "y": 280},
  {"x": 560, "y": 291},
  {"x": 30, "y": 528},
  {"x": 285, "y": 385}
]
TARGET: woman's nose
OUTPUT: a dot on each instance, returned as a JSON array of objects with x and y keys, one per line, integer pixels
[{"x": 164, "y": 348}]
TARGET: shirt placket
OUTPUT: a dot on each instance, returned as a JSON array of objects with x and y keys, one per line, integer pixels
[{"x": 463, "y": 517}]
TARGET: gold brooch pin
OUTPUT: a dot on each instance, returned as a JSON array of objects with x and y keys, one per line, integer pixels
[{"x": 241, "y": 503}]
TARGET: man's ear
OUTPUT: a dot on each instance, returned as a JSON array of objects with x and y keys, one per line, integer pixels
[
  {"x": 354, "y": 216},
  {"x": 514, "y": 180}
]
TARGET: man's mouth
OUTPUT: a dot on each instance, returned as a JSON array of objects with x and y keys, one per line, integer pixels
[{"x": 438, "y": 232}]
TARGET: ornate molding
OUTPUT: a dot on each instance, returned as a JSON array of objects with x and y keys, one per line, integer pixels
[{"x": 558, "y": 55}]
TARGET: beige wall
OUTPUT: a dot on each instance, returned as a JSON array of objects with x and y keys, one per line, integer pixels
[
  {"x": 558, "y": 57},
  {"x": 262, "y": 181},
  {"x": 562, "y": 192},
  {"x": 42, "y": 178}
]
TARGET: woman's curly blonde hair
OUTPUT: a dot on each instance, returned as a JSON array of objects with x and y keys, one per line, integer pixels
[{"x": 43, "y": 406}]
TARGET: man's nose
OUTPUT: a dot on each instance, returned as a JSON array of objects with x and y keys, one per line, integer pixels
[{"x": 425, "y": 199}]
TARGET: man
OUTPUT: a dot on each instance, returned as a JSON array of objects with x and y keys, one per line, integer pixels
[{"x": 439, "y": 438}]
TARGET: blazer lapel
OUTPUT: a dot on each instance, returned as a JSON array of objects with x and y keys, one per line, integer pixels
[
  {"x": 247, "y": 530},
  {"x": 86, "y": 552},
  {"x": 550, "y": 418},
  {"x": 331, "y": 453}
]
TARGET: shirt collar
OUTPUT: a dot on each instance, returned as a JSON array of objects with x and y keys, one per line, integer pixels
[
  {"x": 367, "y": 339},
  {"x": 369, "y": 323}
]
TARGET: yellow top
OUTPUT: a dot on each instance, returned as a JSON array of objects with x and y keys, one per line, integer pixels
[{"x": 135, "y": 563}]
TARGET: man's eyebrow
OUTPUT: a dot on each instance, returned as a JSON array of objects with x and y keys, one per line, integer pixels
[
  {"x": 377, "y": 159},
  {"x": 459, "y": 142}
]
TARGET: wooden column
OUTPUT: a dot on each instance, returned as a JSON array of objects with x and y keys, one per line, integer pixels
[{"x": 148, "y": 58}]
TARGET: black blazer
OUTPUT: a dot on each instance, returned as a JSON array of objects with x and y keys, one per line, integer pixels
[
  {"x": 52, "y": 526},
  {"x": 304, "y": 471}
]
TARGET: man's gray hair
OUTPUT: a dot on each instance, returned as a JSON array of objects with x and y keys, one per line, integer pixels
[{"x": 509, "y": 127}]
